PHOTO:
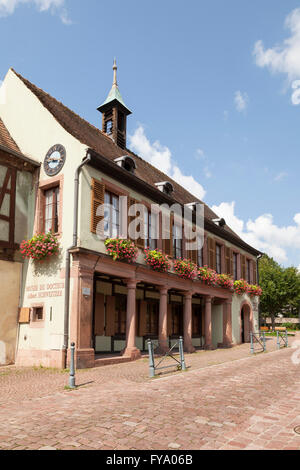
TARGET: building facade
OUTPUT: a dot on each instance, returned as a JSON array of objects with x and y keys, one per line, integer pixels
[{"x": 82, "y": 295}]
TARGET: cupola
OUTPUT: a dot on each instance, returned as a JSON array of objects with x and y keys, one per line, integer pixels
[{"x": 114, "y": 113}]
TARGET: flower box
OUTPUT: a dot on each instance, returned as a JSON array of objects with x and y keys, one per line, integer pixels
[
  {"x": 157, "y": 260},
  {"x": 208, "y": 276},
  {"x": 40, "y": 247},
  {"x": 120, "y": 249},
  {"x": 185, "y": 269}
]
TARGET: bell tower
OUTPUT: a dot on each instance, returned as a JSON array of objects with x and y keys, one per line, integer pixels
[{"x": 114, "y": 114}]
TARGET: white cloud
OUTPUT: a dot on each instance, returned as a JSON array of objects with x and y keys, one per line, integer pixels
[
  {"x": 241, "y": 101},
  {"x": 262, "y": 233},
  {"x": 7, "y": 7},
  {"x": 283, "y": 58},
  {"x": 161, "y": 157},
  {"x": 280, "y": 176}
]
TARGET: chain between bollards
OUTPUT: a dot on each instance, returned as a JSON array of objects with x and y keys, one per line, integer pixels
[{"x": 72, "y": 367}]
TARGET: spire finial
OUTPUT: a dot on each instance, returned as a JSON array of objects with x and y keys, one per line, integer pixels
[{"x": 115, "y": 68}]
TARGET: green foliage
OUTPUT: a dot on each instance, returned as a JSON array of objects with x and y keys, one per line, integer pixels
[{"x": 280, "y": 287}]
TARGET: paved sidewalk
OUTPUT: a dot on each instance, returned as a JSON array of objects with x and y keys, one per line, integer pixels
[{"x": 251, "y": 403}]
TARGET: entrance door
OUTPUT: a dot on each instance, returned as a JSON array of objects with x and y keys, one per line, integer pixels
[
  {"x": 177, "y": 320},
  {"x": 243, "y": 326}
]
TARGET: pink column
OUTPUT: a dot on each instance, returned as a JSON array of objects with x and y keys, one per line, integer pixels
[
  {"x": 131, "y": 349},
  {"x": 187, "y": 323},
  {"x": 227, "y": 324},
  {"x": 163, "y": 320},
  {"x": 208, "y": 336}
]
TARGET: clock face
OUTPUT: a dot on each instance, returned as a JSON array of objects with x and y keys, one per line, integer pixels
[{"x": 55, "y": 160}]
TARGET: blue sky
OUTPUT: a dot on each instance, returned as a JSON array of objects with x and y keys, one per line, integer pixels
[{"x": 214, "y": 107}]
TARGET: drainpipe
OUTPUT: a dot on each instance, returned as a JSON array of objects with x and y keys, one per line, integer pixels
[
  {"x": 257, "y": 276},
  {"x": 68, "y": 257}
]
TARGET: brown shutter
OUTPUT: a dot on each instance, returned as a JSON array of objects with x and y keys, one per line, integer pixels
[
  {"x": 98, "y": 191},
  {"x": 192, "y": 254},
  {"x": 24, "y": 315},
  {"x": 143, "y": 318},
  {"x": 254, "y": 272},
  {"x": 99, "y": 314},
  {"x": 211, "y": 253},
  {"x": 169, "y": 320},
  {"x": 231, "y": 263},
  {"x": 243, "y": 266},
  {"x": 227, "y": 260},
  {"x": 110, "y": 316},
  {"x": 168, "y": 242},
  {"x": 140, "y": 242}
]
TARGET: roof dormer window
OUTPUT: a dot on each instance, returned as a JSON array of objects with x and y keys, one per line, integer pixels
[
  {"x": 165, "y": 187},
  {"x": 127, "y": 163}
]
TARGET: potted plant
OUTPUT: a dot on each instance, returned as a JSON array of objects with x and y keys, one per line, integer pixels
[
  {"x": 254, "y": 291},
  {"x": 225, "y": 281},
  {"x": 120, "y": 249},
  {"x": 40, "y": 247},
  {"x": 157, "y": 260},
  {"x": 207, "y": 275},
  {"x": 185, "y": 268},
  {"x": 240, "y": 287}
]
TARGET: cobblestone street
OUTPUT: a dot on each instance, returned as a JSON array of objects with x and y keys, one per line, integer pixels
[{"x": 227, "y": 400}]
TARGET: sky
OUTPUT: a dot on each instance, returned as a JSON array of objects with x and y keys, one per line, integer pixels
[{"x": 214, "y": 87}]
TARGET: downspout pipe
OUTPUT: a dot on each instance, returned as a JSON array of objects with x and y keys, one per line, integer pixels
[
  {"x": 258, "y": 281},
  {"x": 68, "y": 257}
]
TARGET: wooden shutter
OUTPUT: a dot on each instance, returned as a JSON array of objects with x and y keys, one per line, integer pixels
[
  {"x": 211, "y": 253},
  {"x": 99, "y": 315},
  {"x": 110, "y": 315},
  {"x": 191, "y": 254},
  {"x": 168, "y": 242},
  {"x": 8, "y": 217},
  {"x": 143, "y": 318},
  {"x": 140, "y": 242},
  {"x": 229, "y": 261},
  {"x": 98, "y": 192},
  {"x": 254, "y": 272},
  {"x": 24, "y": 315},
  {"x": 169, "y": 320},
  {"x": 243, "y": 266}
]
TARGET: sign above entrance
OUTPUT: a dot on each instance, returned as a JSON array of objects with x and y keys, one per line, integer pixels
[{"x": 86, "y": 291}]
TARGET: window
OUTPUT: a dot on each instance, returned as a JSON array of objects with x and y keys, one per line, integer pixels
[
  {"x": 177, "y": 241},
  {"x": 37, "y": 314},
  {"x": 120, "y": 315},
  {"x": 200, "y": 251},
  {"x": 51, "y": 211},
  {"x": 176, "y": 319},
  {"x": 111, "y": 215},
  {"x": 235, "y": 266},
  {"x": 218, "y": 259},
  {"x": 150, "y": 229},
  {"x": 197, "y": 321},
  {"x": 108, "y": 127},
  {"x": 152, "y": 318},
  {"x": 248, "y": 270}
]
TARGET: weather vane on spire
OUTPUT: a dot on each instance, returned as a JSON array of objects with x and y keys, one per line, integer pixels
[{"x": 115, "y": 68}]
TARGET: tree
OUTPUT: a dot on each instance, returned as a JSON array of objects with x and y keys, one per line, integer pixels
[{"x": 281, "y": 287}]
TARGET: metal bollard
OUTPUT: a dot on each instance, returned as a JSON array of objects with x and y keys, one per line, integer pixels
[
  {"x": 182, "y": 361},
  {"x": 252, "y": 343},
  {"x": 72, "y": 367},
  {"x": 151, "y": 359},
  {"x": 286, "y": 339},
  {"x": 278, "y": 340},
  {"x": 264, "y": 341}
]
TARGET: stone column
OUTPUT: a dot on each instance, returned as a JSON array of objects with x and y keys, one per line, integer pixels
[
  {"x": 163, "y": 320},
  {"x": 227, "y": 324},
  {"x": 208, "y": 336},
  {"x": 131, "y": 349},
  {"x": 81, "y": 311},
  {"x": 187, "y": 323}
]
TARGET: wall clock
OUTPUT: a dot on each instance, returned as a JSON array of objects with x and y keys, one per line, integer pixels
[{"x": 55, "y": 160}]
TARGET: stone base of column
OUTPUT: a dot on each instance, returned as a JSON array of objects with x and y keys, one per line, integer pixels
[
  {"x": 225, "y": 345},
  {"x": 133, "y": 353},
  {"x": 84, "y": 358},
  {"x": 189, "y": 349},
  {"x": 209, "y": 347},
  {"x": 163, "y": 347}
]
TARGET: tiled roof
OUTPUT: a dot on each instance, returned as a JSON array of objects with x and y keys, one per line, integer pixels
[
  {"x": 98, "y": 141},
  {"x": 6, "y": 139}
]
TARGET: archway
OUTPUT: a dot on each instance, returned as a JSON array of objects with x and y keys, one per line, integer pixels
[{"x": 246, "y": 321}]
